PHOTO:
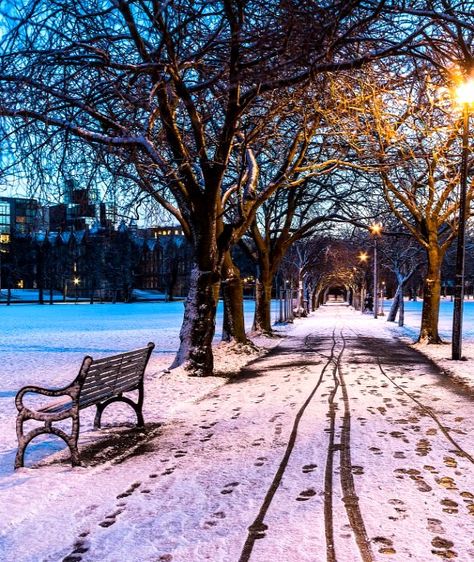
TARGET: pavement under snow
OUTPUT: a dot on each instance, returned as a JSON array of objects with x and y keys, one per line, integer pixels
[{"x": 341, "y": 443}]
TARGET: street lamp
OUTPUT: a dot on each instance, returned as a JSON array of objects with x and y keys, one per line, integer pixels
[
  {"x": 376, "y": 231},
  {"x": 465, "y": 97},
  {"x": 362, "y": 257},
  {"x": 76, "y": 282}
]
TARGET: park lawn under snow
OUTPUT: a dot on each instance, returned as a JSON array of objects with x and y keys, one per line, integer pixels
[{"x": 182, "y": 491}]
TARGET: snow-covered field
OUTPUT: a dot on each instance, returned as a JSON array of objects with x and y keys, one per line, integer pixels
[{"x": 187, "y": 489}]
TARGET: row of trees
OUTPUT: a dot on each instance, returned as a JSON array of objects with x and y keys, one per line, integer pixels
[{"x": 244, "y": 120}]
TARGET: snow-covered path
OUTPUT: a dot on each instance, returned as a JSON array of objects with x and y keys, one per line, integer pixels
[{"x": 341, "y": 444}]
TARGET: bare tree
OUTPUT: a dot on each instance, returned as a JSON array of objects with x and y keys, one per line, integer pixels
[
  {"x": 404, "y": 256},
  {"x": 408, "y": 127},
  {"x": 156, "y": 93}
]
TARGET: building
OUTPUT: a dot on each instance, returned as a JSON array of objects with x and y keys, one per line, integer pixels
[
  {"x": 20, "y": 216},
  {"x": 80, "y": 209}
]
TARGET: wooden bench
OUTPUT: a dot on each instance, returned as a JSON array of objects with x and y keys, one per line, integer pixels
[{"x": 99, "y": 383}]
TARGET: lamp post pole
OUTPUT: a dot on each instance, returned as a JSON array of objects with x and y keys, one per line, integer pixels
[
  {"x": 363, "y": 257},
  {"x": 376, "y": 280},
  {"x": 461, "y": 243},
  {"x": 376, "y": 231}
]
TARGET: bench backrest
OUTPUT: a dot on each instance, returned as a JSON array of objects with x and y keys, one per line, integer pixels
[{"x": 109, "y": 376}]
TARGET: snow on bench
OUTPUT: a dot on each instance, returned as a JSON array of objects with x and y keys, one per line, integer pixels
[{"x": 99, "y": 383}]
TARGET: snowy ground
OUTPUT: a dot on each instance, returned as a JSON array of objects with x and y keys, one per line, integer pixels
[{"x": 340, "y": 444}]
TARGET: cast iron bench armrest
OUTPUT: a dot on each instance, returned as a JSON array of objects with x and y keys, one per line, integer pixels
[{"x": 70, "y": 390}]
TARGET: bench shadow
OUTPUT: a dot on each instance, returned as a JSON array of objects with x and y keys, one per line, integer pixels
[
  {"x": 113, "y": 444},
  {"x": 118, "y": 444}
]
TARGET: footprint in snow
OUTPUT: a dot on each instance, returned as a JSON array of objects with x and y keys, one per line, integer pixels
[
  {"x": 443, "y": 547},
  {"x": 399, "y": 455},
  {"x": 260, "y": 461},
  {"x": 305, "y": 495},
  {"x": 129, "y": 491},
  {"x": 435, "y": 526},
  {"x": 375, "y": 451},
  {"x": 229, "y": 488},
  {"x": 110, "y": 519},
  {"x": 386, "y": 545},
  {"x": 449, "y": 506},
  {"x": 81, "y": 546},
  {"x": 446, "y": 482}
]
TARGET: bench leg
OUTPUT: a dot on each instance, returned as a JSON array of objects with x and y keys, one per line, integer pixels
[
  {"x": 70, "y": 440},
  {"x": 102, "y": 405},
  {"x": 98, "y": 415}
]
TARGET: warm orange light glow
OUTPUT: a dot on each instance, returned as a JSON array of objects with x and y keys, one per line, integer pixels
[
  {"x": 376, "y": 229},
  {"x": 363, "y": 256},
  {"x": 465, "y": 92}
]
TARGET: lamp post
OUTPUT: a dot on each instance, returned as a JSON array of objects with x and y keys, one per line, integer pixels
[
  {"x": 465, "y": 96},
  {"x": 363, "y": 257},
  {"x": 76, "y": 282},
  {"x": 376, "y": 231},
  {"x": 382, "y": 296}
]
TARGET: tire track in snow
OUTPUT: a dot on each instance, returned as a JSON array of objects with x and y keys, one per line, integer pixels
[
  {"x": 350, "y": 498},
  {"x": 329, "y": 469},
  {"x": 257, "y": 529}
]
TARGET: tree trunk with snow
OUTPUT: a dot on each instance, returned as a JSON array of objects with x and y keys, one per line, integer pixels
[
  {"x": 198, "y": 328},
  {"x": 392, "y": 314}
]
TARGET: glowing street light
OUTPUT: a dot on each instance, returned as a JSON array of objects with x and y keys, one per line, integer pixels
[
  {"x": 376, "y": 231},
  {"x": 465, "y": 97},
  {"x": 363, "y": 257},
  {"x": 76, "y": 282}
]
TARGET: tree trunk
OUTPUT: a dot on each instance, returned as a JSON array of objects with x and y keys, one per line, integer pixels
[
  {"x": 431, "y": 299},
  {"x": 262, "y": 321},
  {"x": 401, "y": 312},
  {"x": 197, "y": 330},
  {"x": 395, "y": 305},
  {"x": 315, "y": 299},
  {"x": 232, "y": 292}
]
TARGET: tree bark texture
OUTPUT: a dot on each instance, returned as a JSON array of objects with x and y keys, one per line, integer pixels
[
  {"x": 198, "y": 328},
  {"x": 262, "y": 322},
  {"x": 431, "y": 299},
  {"x": 232, "y": 292}
]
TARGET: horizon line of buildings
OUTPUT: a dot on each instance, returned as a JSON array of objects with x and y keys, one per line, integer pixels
[{"x": 79, "y": 241}]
